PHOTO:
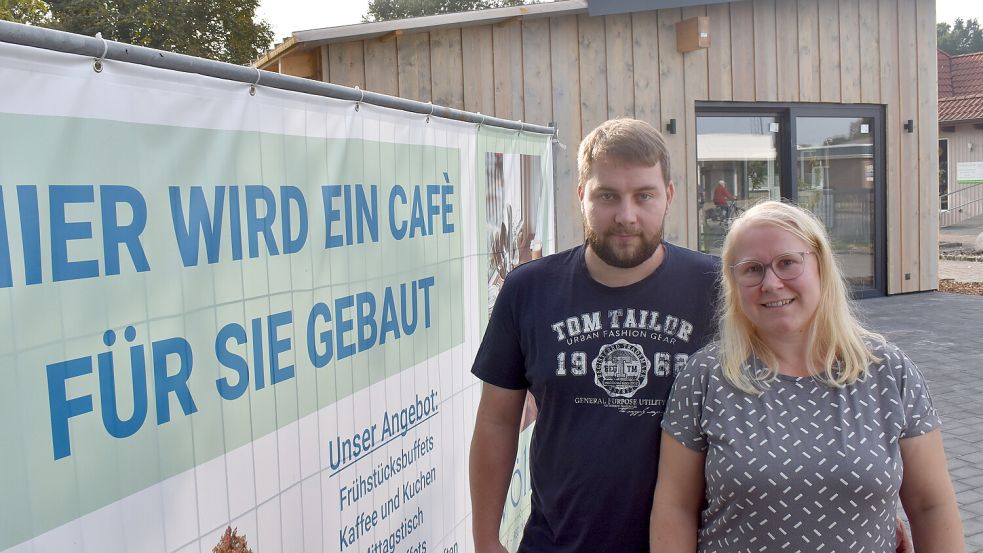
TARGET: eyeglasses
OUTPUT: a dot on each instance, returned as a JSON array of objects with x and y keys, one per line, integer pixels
[{"x": 786, "y": 266}]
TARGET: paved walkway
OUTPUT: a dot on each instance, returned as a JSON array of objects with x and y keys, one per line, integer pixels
[
  {"x": 961, "y": 235},
  {"x": 942, "y": 334},
  {"x": 961, "y": 271}
]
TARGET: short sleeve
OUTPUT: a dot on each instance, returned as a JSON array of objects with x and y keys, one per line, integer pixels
[
  {"x": 920, "y": 416},
  {"x": 683, "y": 419},
  {"x": 500, "y": 361}
]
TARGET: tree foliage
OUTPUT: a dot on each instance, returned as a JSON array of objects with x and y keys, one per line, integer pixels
[
  {"x": 385, "y": 10},
  {"x": 231, "y": 542},
  {"x": 31, "y": 12},
  {"x": 962, "y": 37},
  {"x": 224, "y": 30}
]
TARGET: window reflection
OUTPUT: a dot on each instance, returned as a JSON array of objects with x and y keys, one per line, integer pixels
[
  {"x": 835, "y": 174},
  {"x": 737, "y": 164}
]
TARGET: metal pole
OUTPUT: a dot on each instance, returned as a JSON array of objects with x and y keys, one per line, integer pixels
[{"x": 70, "y": 43}]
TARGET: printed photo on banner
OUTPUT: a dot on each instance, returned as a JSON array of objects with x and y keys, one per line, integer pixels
[
  {"x": 515, "y": 222},
  {"x": 515, "y": 225}
]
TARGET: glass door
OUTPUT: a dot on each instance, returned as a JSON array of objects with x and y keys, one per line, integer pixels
[
  {"x": 828, "y": 158},
  {"x": 836, "y": 177}
]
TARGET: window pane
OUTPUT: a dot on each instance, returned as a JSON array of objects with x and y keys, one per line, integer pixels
[
  {"x": 737, "y": 165},
  {"x": 835, "y": 179}
]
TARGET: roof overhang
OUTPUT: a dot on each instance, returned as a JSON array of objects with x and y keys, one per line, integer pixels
[
  {"x": 971, "y": 121},
  {"x": 735, "y": 147},
  {"x": 362, "y": 31},
  {"x": 314, "y": 38}
]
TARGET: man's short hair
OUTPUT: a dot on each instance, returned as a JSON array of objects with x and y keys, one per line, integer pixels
[{"x": 625, "y": 140}]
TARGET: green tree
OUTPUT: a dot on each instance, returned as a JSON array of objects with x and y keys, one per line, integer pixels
[
  {"x": 32, "y": 12},
  {"x": 384, "y": 10},
  {"x": 962, "y": 37},
  {"x": 224, "y": 30}
]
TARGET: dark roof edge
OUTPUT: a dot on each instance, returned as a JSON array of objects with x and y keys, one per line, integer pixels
[{"x": 613, "y": 7}]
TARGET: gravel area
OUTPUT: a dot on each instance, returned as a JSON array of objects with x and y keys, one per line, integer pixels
[{"x": 950, "y": 285}]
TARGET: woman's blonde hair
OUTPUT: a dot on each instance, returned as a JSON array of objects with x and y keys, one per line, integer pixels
[{"x": 836, "y": 336}]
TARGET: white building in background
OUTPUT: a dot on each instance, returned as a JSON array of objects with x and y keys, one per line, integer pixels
[{"x": 960, "y": 137}]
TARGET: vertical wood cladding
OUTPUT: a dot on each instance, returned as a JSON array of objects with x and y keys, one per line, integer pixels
[{"x": 577, "y": 71}]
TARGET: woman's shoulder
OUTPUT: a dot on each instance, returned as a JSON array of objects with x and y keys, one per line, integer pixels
[
  {"x": 708, "y": 354},
  {"x": 703, "y": 363},
  {"x": 889, "y": 361}
]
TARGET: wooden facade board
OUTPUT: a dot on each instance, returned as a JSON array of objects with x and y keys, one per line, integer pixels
[
  {"x": 645, "y": 51},
  {"x": 849, "y": 51},
  {"x": 928, "y": 140},
  {"x": 718, "y": 55},
  {"x": 742, "y": 50},
  {"x": 908, "y": 74},
  {"x": 325, "y": 65},
  {"x": 672, "y": 90},
  {"x": 787, "y": 41},
  {"x": 890, "y": 96},
  {"x": 765, "y": 55},
  {"x": 347, "y": 61},
  {"x": 565, "y": 67},
  {"x": 479, "y": 83},
  {"x": 381, "y": 73},
  {"x": 620, "y": 66},
  {"x": 870, "y": 53},
  {"x": 537, "y": 75},
  {"x": 829, "y": 51},
  {"x": 593, "y": 72},
  {"x": 696, "y": 86},
  {"x": 446, "y": 66},
  {"x": 807, "y": 13},
  {"x": 507, "y": 49},
  {"x": 413, "y": 58}
]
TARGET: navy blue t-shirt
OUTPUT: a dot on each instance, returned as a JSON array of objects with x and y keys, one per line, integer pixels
[{"x": 600, "y": 362}]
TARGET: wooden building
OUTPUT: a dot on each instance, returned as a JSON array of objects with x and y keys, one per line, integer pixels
[{"x": 832, "y": 103}]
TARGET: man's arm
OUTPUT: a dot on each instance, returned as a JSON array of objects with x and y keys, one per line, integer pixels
[
  {"x": 928, "y": 497},
  {"x": 678, "y": 498},
  {"x": 493, "y": 449}
]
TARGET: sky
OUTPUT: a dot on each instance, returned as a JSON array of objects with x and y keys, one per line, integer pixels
[{"x": 288, "y": 16}]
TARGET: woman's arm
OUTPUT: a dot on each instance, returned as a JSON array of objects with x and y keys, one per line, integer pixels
[
  {"x": 928, "y": 497},
  {"x": 678, "y": 498}
]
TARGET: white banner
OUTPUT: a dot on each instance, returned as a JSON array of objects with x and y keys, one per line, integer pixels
[{"x": 248, "y": 311}]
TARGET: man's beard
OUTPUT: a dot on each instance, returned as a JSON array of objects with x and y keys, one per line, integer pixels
[{"x": 604, "y": 248}]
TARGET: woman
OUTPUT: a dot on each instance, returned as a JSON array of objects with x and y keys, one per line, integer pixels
[{"x": 799, "y": 429}]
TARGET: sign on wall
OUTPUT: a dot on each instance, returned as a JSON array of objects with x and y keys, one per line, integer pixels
[
  {"x": 235, "y": 310},
  {"x": 969, "y": 172}
]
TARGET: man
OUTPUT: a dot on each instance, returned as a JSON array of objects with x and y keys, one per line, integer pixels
[
  {"x": 721, "y": 196},
  {"x": 596, "y": 334}
]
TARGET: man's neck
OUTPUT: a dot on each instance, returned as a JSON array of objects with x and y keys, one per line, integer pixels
[{"x": 616, "y": 277}]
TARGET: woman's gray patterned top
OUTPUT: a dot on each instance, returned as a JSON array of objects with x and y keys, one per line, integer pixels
[{"x": 802, "y": 467}]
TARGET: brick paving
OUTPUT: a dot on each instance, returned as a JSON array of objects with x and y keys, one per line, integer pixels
[{"x": 942, "y": 334}]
